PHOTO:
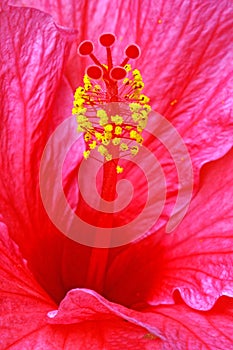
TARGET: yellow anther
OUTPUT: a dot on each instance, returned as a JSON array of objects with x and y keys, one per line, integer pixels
[
  {"x": 144, "y": 99},
  {"x": 92, "y": 145},
  {"x": 128, "y": 67},
  {"x": 118, "y": 120},
  {"x": 74, "y": 111},
  {"x": 134, "y": 107},
  {"x": 133, "y": 134},
  {"x": 79, "y": 110},
  {"x": 119, "y": 169},
  {"x": 173, "y": 102},
  {"x": 81, "y": 119},
  {"x": 139, "y": 138},
  {"x": 138, "y": 85},
  {"x": 108, "y": 135},
  {"x": 87, "y": 125},
  {"x": 79, "y": 92},
  {"x": 142, "y": 124},
  {"x": 97, "y": 88},
  {"x": 79, "y": 102},
  {"x": 139, "y": 129},
  {"x": 124, "y": 147},
  {"x": 105, "y": 141},
  {"x": 126, "y": 81},
  {"x": 116, "y": 141},
  {"x": 86, "y": 154},
  {"x": 108, "y": 127},
  {"x": 144, "y": 114},
  {"x": 80, "y": 128},
  {"x": 118, "y": 130},
  {"x": 98, "y": 135},
  {"x": 137, "y": 75},
  {"x": 128, "y": 127},
  {"x": 108, "y": 157},
  {"x": 136, "y": 116},
  {"x": 103, "y": 121},
  {"x": 134, "y": 150},
  {"x": 103, "y": 117},
  {"x": 147, "y": 108},
  {"x": 87, "y": 137},
  {"x": 87, "y": 87},
  {"x": 86, "y": 79}
]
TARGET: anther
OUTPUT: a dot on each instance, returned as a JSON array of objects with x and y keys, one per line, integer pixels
[{"x": 106, "y": 132}]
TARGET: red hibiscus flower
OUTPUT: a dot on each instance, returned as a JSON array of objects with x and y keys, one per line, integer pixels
[{"x": 160, "y": 292}]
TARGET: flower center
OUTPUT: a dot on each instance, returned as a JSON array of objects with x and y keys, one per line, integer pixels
[{"x": 112, "y": 134}]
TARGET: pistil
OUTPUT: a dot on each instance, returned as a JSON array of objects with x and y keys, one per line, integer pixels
[{"x": 112, "y": 133}]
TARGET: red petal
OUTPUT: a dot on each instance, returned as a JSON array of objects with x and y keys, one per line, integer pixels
[
  {"x": 23, "y": 304},
  {"x": 34, "y": 99},
  {"x": 207, "y": 140},
  {"x": 185, "y": 328},
  {"x": 24, "y": 325},
  {"x": 24, "y": 308},
  {"x": 82, "y": 304},
  {"x": 197, "y": 258}
]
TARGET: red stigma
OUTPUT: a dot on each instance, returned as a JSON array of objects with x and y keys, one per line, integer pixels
[
  {"x": 133, "y": 51},
  {"x": 94, "y": 72},
  {"x": 107, "y": 40},
  {"x": 118, "y": 73},
  {"x": 85, "y": 48},
  {"x": 110, "y": 73}
]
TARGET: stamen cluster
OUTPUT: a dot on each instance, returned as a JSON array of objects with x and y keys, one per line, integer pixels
[{"x": 112, "y": 134}]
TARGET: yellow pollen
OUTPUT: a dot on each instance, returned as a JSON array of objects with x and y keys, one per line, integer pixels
[
  {"x": 123, "y": 147},
  {"x": 97, "y": 88},
  {"x": 105, "y": 141},
  {"x": 101, "y": 113},
  {"x": 108, "y": 157},
  {"x": 86, "y": 154},
  {"x": 134, "y": 150},
  {"x": 128, "y": 67},
  {"x": 92, "y": 145},
  {"x": 116, "y": 141},
  {"x": 118, "y": 130},
  {"x": 144, "y": 99},
  {"x": 173, "y": 102},
  {"x": 134, "y": 107},
  {"x": 118, "y": 120},
  {"x": 108, "y": 127},
  {"x": 87, "y": 137},
  {"x": 119, "y": 169},
  {"x": 136, "y": 116},
  {"x": 150, "y": 336},
  {"x": 133, "y": 134},
  {"x": 79, "y": 102},
  {"x": 103, "y": 131}
]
